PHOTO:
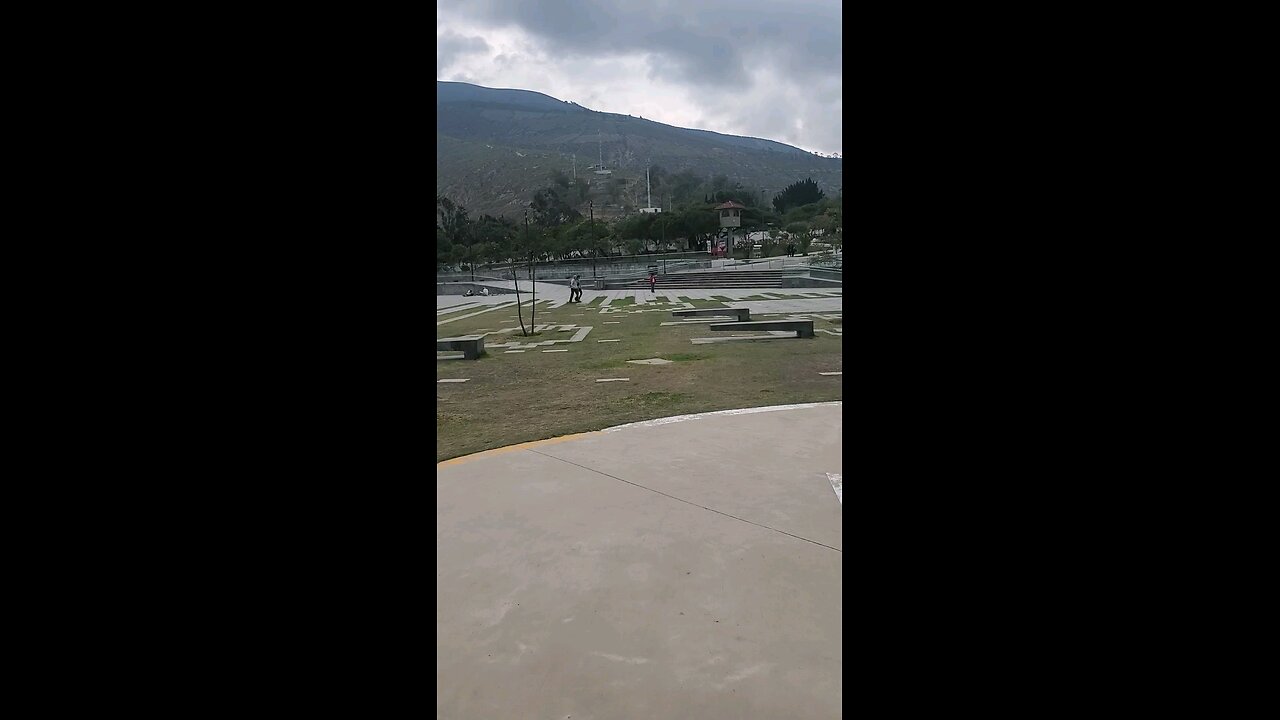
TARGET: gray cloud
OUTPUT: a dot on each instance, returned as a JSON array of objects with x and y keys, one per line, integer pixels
[
  {"x": 745, "y": 67},
  {"x": 450, "y": 46}
]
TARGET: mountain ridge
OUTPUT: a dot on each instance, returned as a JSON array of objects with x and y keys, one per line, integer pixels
[{"x": 498, "y": 146}]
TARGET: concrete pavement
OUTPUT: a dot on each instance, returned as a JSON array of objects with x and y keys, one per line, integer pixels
[
  {"x": 556, "y": 296},
  {"x": 685, "y": 567}
]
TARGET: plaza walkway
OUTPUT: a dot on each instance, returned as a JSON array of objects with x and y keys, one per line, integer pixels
[
  {"x": 554, "y": 296},
  {"x": 686, "y": 567}
]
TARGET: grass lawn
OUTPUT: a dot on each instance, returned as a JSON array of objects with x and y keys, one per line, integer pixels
[{"x": 532, "y": 396}]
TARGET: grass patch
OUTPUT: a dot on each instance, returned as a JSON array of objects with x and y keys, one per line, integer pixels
[
  {"x": 659, "y": 400},
  {"x": 532, "y": 396},
  {"x": 602, "y": 364},
  {"x": 683, "y": 357}
]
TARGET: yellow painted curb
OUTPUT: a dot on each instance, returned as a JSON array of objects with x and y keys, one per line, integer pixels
[{"x": 512, "y": 448}]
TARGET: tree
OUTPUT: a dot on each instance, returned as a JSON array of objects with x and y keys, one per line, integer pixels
[
  {"x": 798, "y": 193},
  {"x": 800, "y": 231},
  {"x": 702, "y": 222},
  {"x": 829, "y": 226},
  {"x": 524, "y": 246},
  {"x": 836, "y": 212},
  {"x": 494, "y": 238},
  {"x": 586, "y": 236},
  {"x": 549, "y": 209},
  {"x": 635, "y": 226},
  {"x": 453, "y": 231}
]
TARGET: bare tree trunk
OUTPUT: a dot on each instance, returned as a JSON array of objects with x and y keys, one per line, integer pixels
[{"x": 516, "y": 277}]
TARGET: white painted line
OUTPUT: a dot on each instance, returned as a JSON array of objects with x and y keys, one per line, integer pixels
[
  {"x": 833, "y": 373},
  {"x": 453, "y": 380},
  {"x": 836, "y": 484},
  {"x": 547, "y": 351},
  {"x": 742, "y": 411},
  {"x": 511, "y": 352},
  {"x": 614, "y": 380},
  {"x": 608, "y": 341},
  {"x": 612, "y": 322}
]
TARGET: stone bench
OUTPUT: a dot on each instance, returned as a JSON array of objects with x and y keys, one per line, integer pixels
[
  {"x": 803, "y": 328},
  {"x": 743, "y": 314},
  {"x": 472, "y": 346}
]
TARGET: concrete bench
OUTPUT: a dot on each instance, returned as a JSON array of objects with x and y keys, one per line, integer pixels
[
  {"x": 743, "y": 314},
  {"x": 803, "y": 328},
  {"x": 472, "y": 346}
]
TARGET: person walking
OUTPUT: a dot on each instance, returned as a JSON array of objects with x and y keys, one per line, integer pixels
[
  {"x": 575, "y": 291},
  {"x": 653, "y": 281}
]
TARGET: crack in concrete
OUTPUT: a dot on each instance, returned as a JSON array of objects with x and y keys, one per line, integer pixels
[{"x": 687, "y": 502}]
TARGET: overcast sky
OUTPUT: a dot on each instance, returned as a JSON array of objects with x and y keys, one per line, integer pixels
[{"x": 762, "y": 69}]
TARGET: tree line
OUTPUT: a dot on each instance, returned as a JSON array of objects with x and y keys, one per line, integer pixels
[{"x": 555, "y": 226}]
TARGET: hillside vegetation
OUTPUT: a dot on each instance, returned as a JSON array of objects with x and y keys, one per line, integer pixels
[{"x": 497, "y": 148}]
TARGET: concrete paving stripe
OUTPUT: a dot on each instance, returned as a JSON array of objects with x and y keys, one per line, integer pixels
[
  {"x": 832, "y": 373},
  {"x": 612, "y": 322},
  {"x": 614, "y": 380},
  {"x": 608, "y": 341},
  {"x": 836, "y": 484},
  {"x": 741, "y": 411},
  {"x": 458, "y": 308},
  {"x": 479, "y": 312},
  {"x": 512, "y": 352},
  {"x": 452, "y": 380},
  {"x": 547, "y": 351}
]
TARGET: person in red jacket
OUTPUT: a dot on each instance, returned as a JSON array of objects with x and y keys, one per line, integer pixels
[{"x": 653, "y": 281}]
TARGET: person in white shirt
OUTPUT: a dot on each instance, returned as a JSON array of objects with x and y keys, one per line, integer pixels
[{"x": 575, "y": 292}]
